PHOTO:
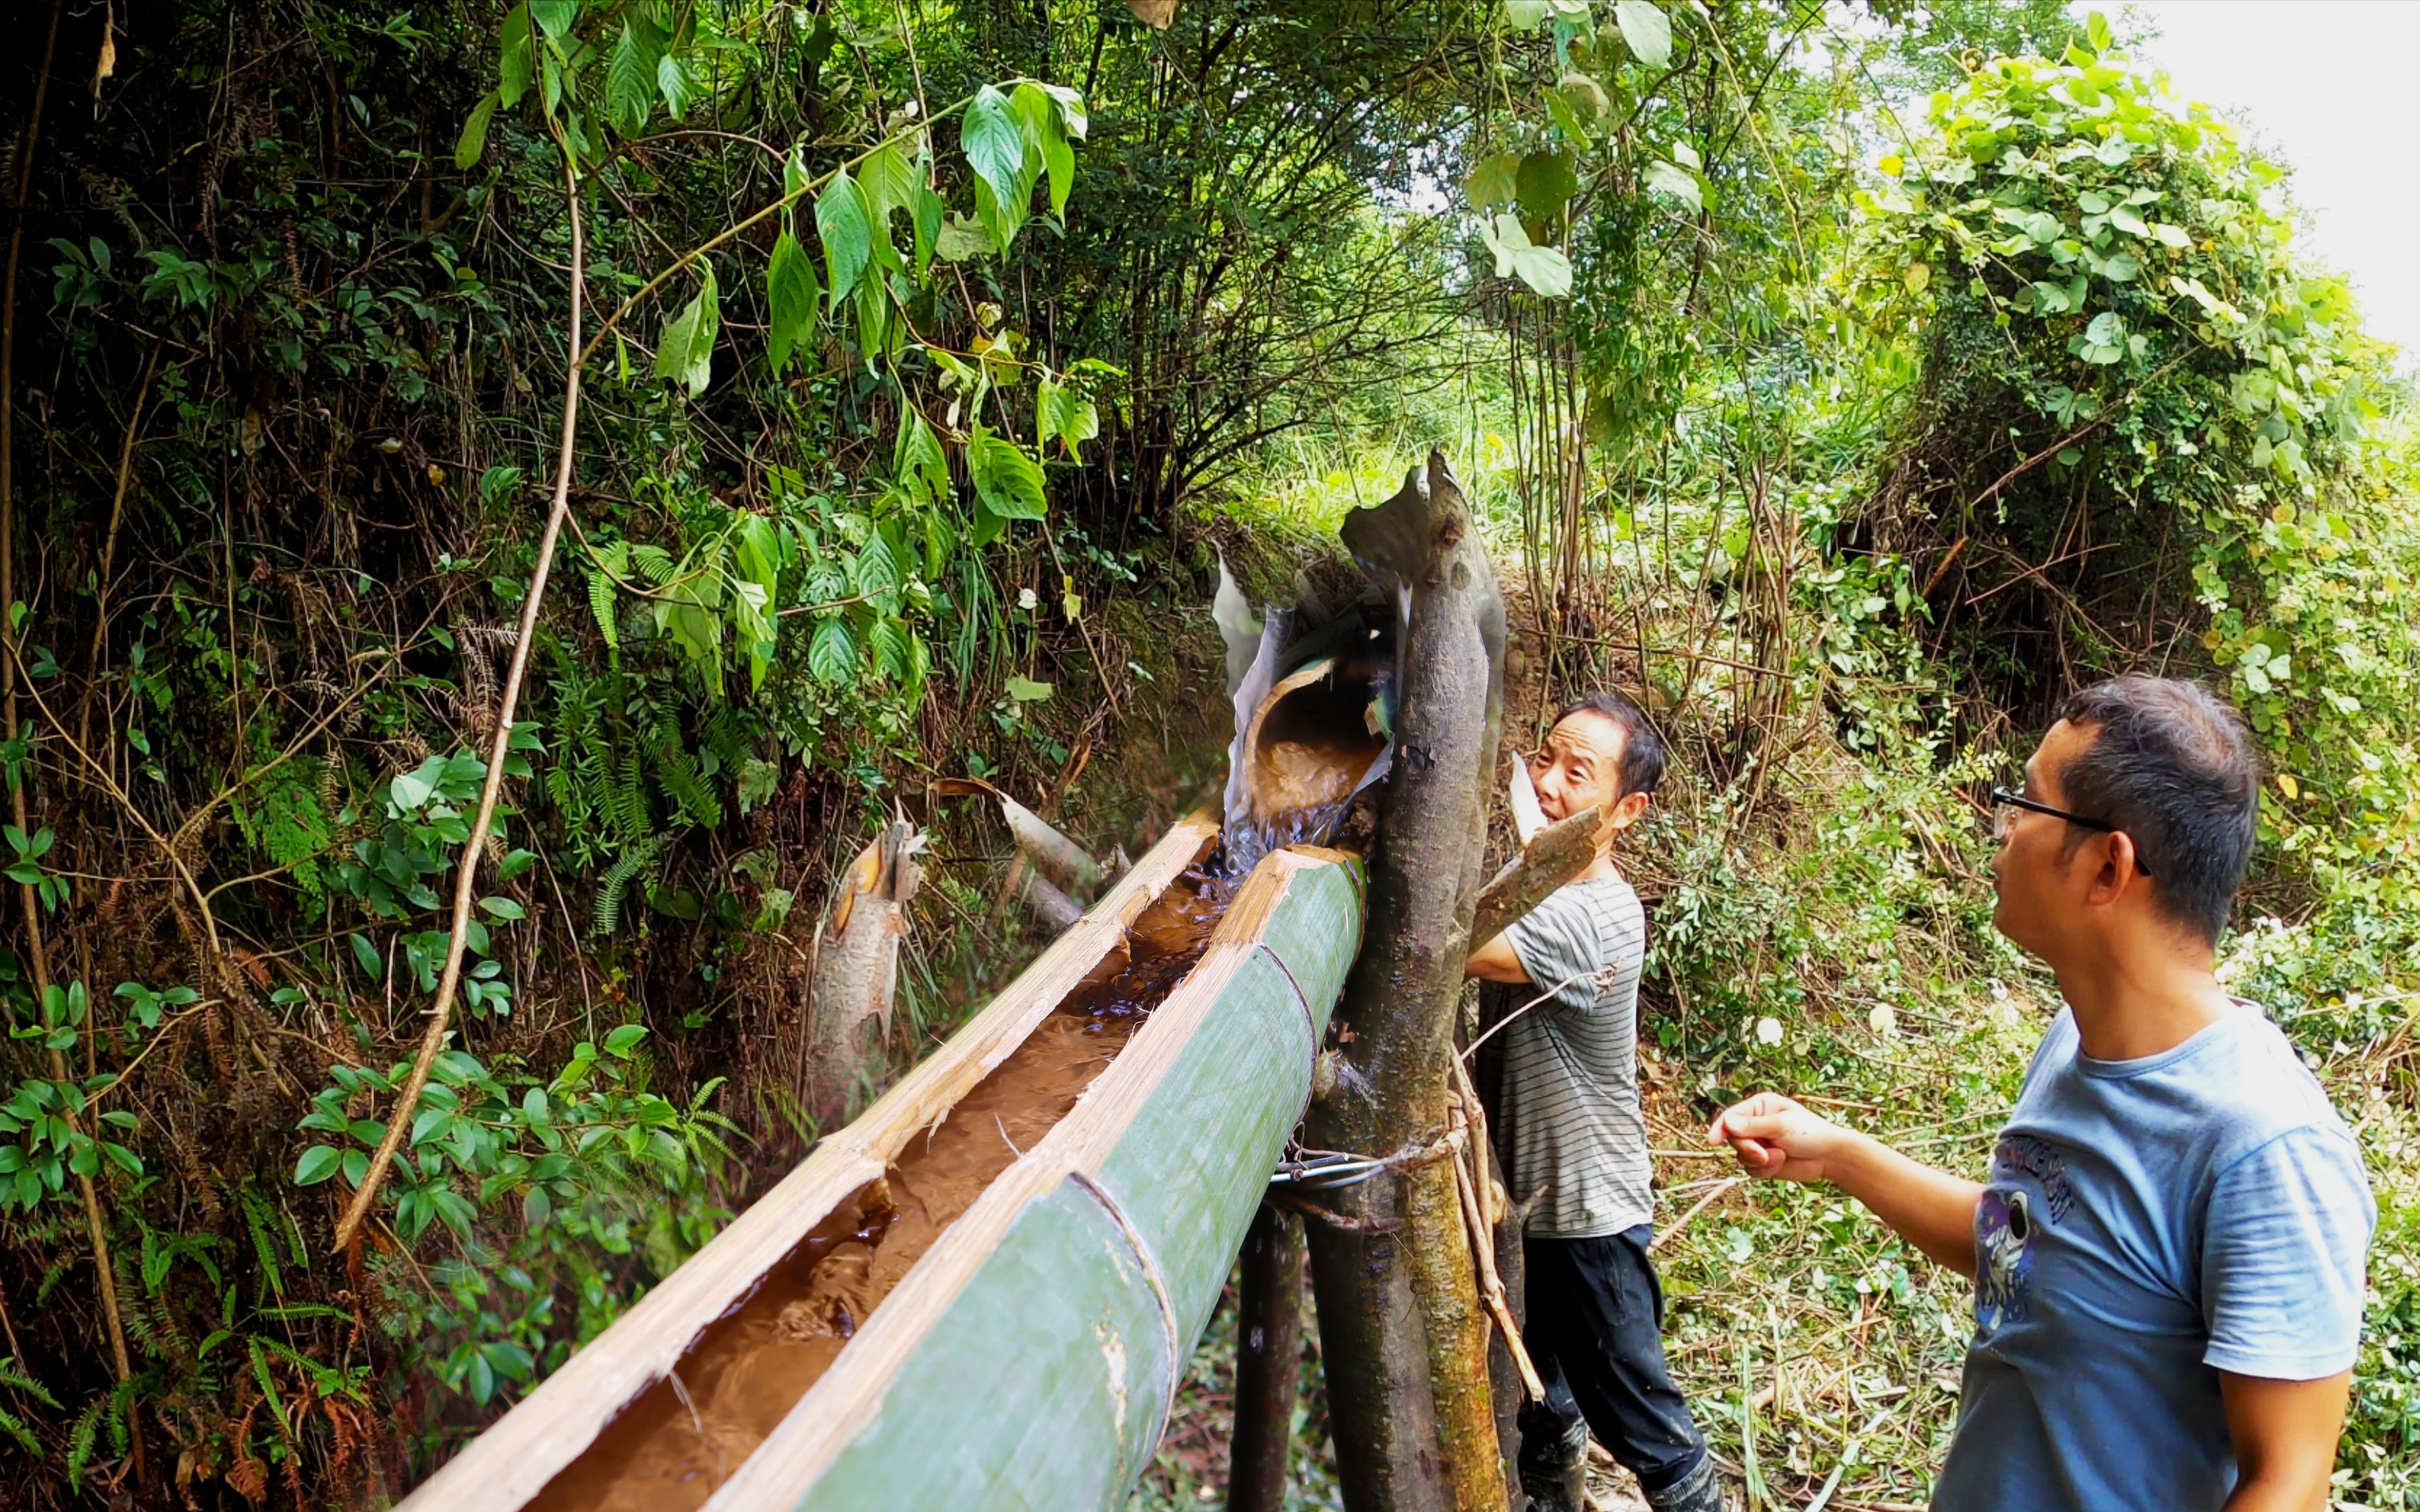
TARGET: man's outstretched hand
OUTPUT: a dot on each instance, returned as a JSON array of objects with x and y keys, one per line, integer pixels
[{"x": 1775, "y": 1137}]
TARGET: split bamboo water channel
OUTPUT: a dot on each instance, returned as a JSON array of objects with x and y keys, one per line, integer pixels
[{"x": 984, "y": 1291}]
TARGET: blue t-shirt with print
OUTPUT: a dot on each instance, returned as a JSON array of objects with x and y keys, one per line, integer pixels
[{"x": 2147, "y": 1225}]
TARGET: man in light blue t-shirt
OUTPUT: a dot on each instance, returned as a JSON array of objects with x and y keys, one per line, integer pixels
[{"x": 2169, "y": 1254}]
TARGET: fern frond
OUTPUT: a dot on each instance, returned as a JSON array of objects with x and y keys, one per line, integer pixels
[
  {"x": 24, "y": 1435},
  {"x": 10, "y": 1375},
  {"x": 81, "y": 1442},
  {"x": 630, "y": 803},
  {"x": 260, "y": 1222},
  {"x": 616, "y": 882},
  {"x": 601, "y": 605},
  {"x": 677, "y": 775}
]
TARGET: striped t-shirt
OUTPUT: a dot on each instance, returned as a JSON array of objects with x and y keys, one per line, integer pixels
[{"x": 1567, "y": 1116}]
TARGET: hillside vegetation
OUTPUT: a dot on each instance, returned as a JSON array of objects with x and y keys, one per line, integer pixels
[{"x": 1848, "y": 385}]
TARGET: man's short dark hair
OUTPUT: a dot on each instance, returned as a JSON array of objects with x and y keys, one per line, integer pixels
[
  {"x": 2172, "y": 765},
  {"x": 1642, "y": 749}
]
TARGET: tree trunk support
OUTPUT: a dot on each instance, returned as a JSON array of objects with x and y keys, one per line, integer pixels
[
  {"x": 1268, "y": 1360},
  {"x": 1401, "y": 1323}
]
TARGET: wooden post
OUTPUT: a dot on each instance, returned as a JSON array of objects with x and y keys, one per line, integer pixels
[
  {"x": 1402, "y": 1331},
  {"x": 1268, "y": 1359}
]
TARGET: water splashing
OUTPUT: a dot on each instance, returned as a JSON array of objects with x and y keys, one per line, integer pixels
[{"x": 1313, "y": 721}]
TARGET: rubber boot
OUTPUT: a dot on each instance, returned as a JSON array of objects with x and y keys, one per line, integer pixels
[
  {"x": 1554, "y": 1461},
  {"x": 1701, "y": 1491}
]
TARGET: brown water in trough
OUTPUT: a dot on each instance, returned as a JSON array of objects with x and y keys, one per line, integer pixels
[{"x": 670, "y": 1448}]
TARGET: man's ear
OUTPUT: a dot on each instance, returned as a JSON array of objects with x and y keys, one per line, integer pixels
[
  {"x": 2119, "y": 869},
  {"x": 1627, "y": 811}
]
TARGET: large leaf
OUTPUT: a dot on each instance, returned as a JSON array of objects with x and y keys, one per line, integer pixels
[
  {"x": 891, "y": 640},
  {"x": 1545, "y": 270},
  {"x": 791, "y": 296},
  {"x": 1648, "y": 31},
  {"x": 685, "y": 354},
  {"x": 890, "y": 179},
  {"x": 630, "y": 77},
  {"x": 878, "y": 570},
  {"x": 1063, "y": 413},
  {"x": 516, "y": 69},
  {"x": 832, "y": 656},
  {"x": 1670, "y": 179},
  {"x": 1545, "y": 183},
  {"x": 474, "y": 143},
  {"x": 962, "y": 237},
  {"x": 1039, "y": 115},
  {"x": 675, "y": 84},
  {"x": 993, "y": 142},
  {"x": 1007, "y": 481},
  {"x": 1494, "y": 181},
  {"x": 847, "y": 228}
]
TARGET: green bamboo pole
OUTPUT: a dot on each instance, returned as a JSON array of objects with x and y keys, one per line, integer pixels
[
  {"x": 1030, "y": 1359},
  {"x": 514, "y": 1460}
]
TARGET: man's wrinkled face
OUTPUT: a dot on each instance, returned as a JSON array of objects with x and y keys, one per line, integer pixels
[{"x": 1580, "y": 768}]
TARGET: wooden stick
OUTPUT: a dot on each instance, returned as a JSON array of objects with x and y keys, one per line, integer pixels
[
  {"x": 1560, "y": 852},
  {"x": 499, "y": 746}
]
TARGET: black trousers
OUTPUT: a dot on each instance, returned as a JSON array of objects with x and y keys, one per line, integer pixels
[{"x": 1595, "y": 1329}]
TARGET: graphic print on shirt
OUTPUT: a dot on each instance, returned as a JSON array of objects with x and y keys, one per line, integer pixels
[{"x": 2004, "y": 1227}]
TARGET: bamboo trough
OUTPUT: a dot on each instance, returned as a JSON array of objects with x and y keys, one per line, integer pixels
[{"x": 1029, "y": 1356}]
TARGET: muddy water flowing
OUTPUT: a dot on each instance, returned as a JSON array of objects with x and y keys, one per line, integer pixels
[{"x": 685, "y": 1436}]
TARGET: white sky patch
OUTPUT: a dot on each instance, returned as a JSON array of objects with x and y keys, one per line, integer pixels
[{"x": 2325, "y": 89}]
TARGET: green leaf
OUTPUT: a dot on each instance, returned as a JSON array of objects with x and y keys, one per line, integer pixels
[
  {"x": 1039, "y": 115},
  {"x": 1060, "y": 413},
  {"x": 473, "y": 142},
  {"x": 1007, "y": 480},
  {"x": 555, "y": 18},
  {"x": 1648, "y": 31},
  {"x": 1670, "y": 179},
  {"x": 1545, "y": 270},
  {"x": 844, "y": 224},
  {"x": 1494, "y": 182},
  {"x": 962, "y": 237},
  {"x": 675, "y": 83},
  {"x": 630, "y": 81},
  {"x": 993, "y": 142},
  {"x": 366, "y": 955},
  {"x": 1567, "y": 118},
  {"x": 685, "y": 354},
  {"x": 878, "y": 570},
  {"x": 831, "y": 657},
  {"x": 1025, "y": 690},
  {"x": 624, "y": 1040},
  {"x": 516, "y": 69},
  {"x": 889, "y": 180},
  {"x": 892, "y": 642},
  {"x": 503, "y": 908},
  {"x": 1545, "y": 183},
  {"x": 917, "y": 459},
  {"x": 791, "y": 295},
  {"x": 317, "y": 1164}
]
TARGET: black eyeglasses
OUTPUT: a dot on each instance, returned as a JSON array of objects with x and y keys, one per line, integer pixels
[{"x": 2003, "y": 800}]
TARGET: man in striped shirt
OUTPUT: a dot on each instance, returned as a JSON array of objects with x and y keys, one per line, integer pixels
[{"x": 1571, "y": 1137}]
